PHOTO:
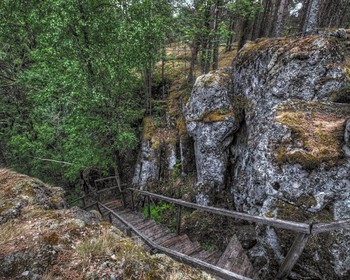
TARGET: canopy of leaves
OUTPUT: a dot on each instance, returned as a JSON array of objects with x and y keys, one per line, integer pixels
[{"x": 71, "y": 79}]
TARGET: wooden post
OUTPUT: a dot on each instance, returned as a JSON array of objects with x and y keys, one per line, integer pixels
[
  {"x": 292, "y": 256},
  {"x": 123, "y": 199},
  {"x": 132, "y": 201},
  {"x": 98, "y": 208},
  {"x": 84, "y": 203},
  {"x": 178, "y": 224},
  {"x": 149, "y": 206}
]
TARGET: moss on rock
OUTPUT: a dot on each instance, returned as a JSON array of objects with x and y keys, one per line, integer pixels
[{"x": 317, "y": 133}]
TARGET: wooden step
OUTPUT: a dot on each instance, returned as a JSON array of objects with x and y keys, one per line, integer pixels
[
  {"x": 146, "y": 226},
  {"x": 195, "y": 248},
  {"x": 213, "y": 258},
  {"x": 161, "y": 233},
  {"x": 151, "y": 231},
  {"x": 203, "y": 254},
  {"x": 175, "y": 240},
  {"x": 166, "y": 237},
  {"x": 236, "y": 260},
  {"x": 183, "y": 247}
]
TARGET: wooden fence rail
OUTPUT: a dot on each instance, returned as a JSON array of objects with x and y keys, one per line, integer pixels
[
  {"x": 223, "y": 273},
  {"x": 303, "y": 230},
  {"x": 293, "y": 226}
]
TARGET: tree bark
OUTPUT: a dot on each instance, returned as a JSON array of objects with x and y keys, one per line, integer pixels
[
  {"x": 280, "y": 18},
  {"x": 2, "y": 158},
  {"x": 312, "y": 17}
]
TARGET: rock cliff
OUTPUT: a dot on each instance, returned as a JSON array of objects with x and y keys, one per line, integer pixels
[
  {"x": 211, "y": 120},
  {"x": 279, "y": 130},
  {"x": 289, "y": 158}
]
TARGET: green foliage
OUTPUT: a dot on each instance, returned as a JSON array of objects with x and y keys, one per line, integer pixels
[
  {"x": 177, "y": 170},
  {"x": 161, "y": 212},
  {"x": 70, "y": 75}
]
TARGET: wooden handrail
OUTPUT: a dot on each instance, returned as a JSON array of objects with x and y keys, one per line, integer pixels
[
  {"x": 96, "y": 192},
  {"x": 304, "y": 230},
  {"x": 327, "y": 227},
  {"x": 293, "y": 226},
  {"x": 307, "y": 228},
  {"x": 104, "y": 179},
  {"x": 223, "y": 273}
]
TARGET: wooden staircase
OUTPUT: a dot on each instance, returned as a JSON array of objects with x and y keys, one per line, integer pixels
[{"x": 233, "y": 259}]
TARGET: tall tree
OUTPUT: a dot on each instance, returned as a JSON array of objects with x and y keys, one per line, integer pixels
[
  {"x": 282, "y": 10},
  {"x": 312, "y": 17}
]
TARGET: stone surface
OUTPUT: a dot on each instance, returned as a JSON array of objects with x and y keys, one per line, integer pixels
[
  {"x": 280, "y": 130},
  {"x": 211, "y": 121},
  {"x": 157, "y": 157},
  {"x": 288, "y": 158}
]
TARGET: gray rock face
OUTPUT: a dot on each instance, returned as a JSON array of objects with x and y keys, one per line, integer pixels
[
  {"x": 211, "y": 121},
  {"x": 347, "y": 138},
  {"x": 157, "y": 154},
  {"x": 287, "y": 157},
  {"x": 147, "y": 166},
  {"x": 289, "y": 152}
]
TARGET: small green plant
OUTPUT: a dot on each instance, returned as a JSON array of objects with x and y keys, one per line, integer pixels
[
  {"x": 161, "y": 212},
  {"x": 207, "y": 246},
  {"x": 176, "y": 172}
]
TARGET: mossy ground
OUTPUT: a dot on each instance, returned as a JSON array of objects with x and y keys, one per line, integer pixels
[
  {"x": 317, "y": 133},
  {"x": 57, "y": 245}
]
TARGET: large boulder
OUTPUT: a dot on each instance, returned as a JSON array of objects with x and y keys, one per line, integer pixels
[
  {"x": 279, "y": 128},
  {"x": 211, "y": 120},
  {"x": 290, "y": 157},
  {"x": 157, "y": 157}
]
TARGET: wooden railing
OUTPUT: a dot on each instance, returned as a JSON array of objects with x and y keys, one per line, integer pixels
[
  {"x": 223, "y": 273},
  {"x": 96, "y": 195},
  {"x": 303, "y": 230}
]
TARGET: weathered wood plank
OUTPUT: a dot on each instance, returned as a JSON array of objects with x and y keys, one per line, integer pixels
[
  {"x": 178, "y": 220},
  {"x": 235, "y": 259},
  {"x": 294, "y": 226},
  {"x": 319, "y": 228},
  {"x": 106, "y": 179},
  {"x": 293, "y": 255}
]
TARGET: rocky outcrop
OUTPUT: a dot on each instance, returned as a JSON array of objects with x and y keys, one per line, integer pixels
[
  {"x": 288, "y": 157},
  {"x": 40, "y": 240},
  {"x": 211, "y": 120},
  {"x": 19, "y": 191},
  {"x": 289, "y": 152},
  {"x": 157, "y": 154}
]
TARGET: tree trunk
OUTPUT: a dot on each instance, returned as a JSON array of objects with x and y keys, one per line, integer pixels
[
  {"x": 312, "y": 17},
  {"x": 280, "y": 18},
  {"x": 2, "y": 158},
  {"x": 244, "y": 33},
  {"x": 229, "y": 41},
  {"x": 216, "y": 45},
  {"x": 194, "y": 54}
]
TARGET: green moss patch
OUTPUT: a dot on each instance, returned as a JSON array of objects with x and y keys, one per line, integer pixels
[
  {"x": 317, "y": 133},
  {"x": 341, "y": 96},
  {"x": 289, "y": 48}
]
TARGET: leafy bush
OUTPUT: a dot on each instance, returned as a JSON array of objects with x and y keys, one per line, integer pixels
[{"x": 162, "y": 212}]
